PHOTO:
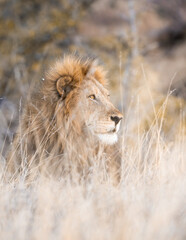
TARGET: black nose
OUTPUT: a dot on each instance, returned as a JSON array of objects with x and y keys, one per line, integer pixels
[{"x": 115, "y": 119}]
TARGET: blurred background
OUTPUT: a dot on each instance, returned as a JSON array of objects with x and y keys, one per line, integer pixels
[{"x": 141, "y": 43}]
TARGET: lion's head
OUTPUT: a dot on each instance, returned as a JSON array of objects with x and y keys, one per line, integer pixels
[{"x": 82, "y": 98}]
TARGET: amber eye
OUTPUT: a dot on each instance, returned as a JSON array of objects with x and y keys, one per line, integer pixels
[{"x": 93, "y": 97}]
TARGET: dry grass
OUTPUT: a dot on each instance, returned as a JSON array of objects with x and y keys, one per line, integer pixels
[{"x": 148, "y": 203}]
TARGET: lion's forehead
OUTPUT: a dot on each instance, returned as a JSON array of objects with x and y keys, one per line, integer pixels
[{"x": 94, "y": 86}]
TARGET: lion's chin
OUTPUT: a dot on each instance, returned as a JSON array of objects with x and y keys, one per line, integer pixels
[{"x": 108, "y": 138}]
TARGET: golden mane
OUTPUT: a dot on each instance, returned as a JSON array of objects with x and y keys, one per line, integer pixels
[{"x": 75, "y": 67}]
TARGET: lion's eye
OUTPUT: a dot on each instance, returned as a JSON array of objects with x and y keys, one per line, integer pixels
[{"x": 93, "y": 97}]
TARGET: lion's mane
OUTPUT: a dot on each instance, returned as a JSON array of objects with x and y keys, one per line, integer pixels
[{"x": 49, "y": 135}]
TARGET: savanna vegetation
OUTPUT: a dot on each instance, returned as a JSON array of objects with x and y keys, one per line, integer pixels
[{"x": 143, "y": 46}]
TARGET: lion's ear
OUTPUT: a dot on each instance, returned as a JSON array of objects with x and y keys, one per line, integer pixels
[
  {"x": 95, "y": 70},
  {"x": 91, "y": 68},
  {"x": 64, "y": 86}
]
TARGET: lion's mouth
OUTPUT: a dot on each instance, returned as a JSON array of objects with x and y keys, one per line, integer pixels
[{"x": 111, "y": 131}]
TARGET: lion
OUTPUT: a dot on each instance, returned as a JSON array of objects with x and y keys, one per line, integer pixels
[{"x": 66, "y": 122}]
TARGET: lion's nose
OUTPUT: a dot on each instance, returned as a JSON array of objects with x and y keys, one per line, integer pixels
[{"x": 116, "y": 119}]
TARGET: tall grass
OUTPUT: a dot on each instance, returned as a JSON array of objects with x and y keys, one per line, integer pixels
[{"x": 148, "y": 203}]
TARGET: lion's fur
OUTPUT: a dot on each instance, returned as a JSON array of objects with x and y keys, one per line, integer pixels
[{"x": 50, "y": 136}]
